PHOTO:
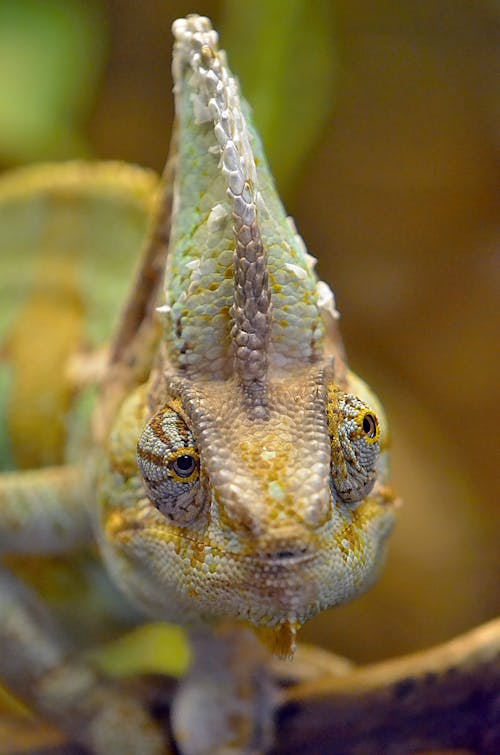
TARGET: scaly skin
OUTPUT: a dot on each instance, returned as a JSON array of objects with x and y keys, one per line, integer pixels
[
  {"x": 242, "y": 488},
  {"x": 280, "y": 508},
  {"x": 258, "y": 531}
]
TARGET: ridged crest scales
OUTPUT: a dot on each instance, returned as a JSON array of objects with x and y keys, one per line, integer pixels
[{"x": 215, "y": 97}]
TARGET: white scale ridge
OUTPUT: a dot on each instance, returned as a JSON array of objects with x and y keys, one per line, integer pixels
[{"x": 217, "y": 94}]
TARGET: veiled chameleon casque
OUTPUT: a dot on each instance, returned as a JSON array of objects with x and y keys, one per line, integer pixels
[{"x": 241, "y": 488}]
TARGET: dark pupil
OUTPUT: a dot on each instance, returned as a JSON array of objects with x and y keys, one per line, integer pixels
[
  {"x": 369, "y": 425},
  {"x": 184, "y": 465}
]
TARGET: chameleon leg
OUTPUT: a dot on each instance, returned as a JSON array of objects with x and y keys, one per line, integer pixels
[
  {"x": 34, "y": 664},
  {"x": 43, "y": 511},
  {"x": 224, "y": 706},
  {"x": 37, "y": 511}
]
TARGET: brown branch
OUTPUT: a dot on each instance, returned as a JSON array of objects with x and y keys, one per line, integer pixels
[
  {"x": 133, "y": 346},
  {"x": 447, "y": 697},
  {"x": 144, "y": 292}
]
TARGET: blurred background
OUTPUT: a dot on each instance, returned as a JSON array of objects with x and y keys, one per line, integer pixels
[{"x": 381, "y": 124}]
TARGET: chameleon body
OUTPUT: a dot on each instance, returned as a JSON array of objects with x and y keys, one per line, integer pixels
[{"x": 242, "y": 488}]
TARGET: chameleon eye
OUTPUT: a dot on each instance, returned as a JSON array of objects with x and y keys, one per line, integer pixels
[
  {"x": 169, "y": 464},
  {"x": 185, "y": 466},
  {"x": 354, "y": 436},
  {"x": 370, "y": 426}
]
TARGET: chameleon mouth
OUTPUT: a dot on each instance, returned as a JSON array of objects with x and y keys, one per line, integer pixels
[
  {"x": 284, "y": 558},
  {"x": 256, "y": 553}
]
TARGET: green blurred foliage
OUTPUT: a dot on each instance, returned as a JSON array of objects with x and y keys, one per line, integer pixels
[
  {"x": 285, "y": 57},
  {"x": 152, "y": 648},
  {"x": 51, "y": 56}
]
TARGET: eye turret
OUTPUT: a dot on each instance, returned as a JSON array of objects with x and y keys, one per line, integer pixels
[
  {"x": 169, "y": 463},
  {"x": 355, "y": 435}
]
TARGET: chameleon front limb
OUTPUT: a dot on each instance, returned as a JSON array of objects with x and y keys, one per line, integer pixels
[
  {"x": 35, "y": 664},
  {"x": 43, "y": 511},
  {"x": 228, "y": 692}
]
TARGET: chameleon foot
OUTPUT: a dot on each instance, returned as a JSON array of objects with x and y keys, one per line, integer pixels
[
  {"x": 224, "y": 706},
  {"x": 103, "y": 718},
  {"x": 36, "y": 665}
]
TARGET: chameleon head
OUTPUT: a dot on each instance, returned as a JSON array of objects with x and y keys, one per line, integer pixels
[
  {"x": 256, "y": 492},
  {"x": 267, "y": 520}
]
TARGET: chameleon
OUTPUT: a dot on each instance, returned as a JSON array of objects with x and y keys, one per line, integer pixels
[{"x": 237, "y": 477}]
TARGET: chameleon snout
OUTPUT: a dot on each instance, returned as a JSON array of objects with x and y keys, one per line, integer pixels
[{"x": 279, "y": 521}]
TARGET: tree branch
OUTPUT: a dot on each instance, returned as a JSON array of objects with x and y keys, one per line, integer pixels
[
  {"x": 444, "y": 698},
  {"x": 447, "y": 697}
]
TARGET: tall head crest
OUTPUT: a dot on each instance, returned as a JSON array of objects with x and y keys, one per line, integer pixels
[
  {"x": 216, "y": 97},
  {"x": 242, "y": 299}
]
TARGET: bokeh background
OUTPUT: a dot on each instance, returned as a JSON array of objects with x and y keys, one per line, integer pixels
[{"x": 381, "y": 123}]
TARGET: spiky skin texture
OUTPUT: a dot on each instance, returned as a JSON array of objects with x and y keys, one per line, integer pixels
[
  {"x": 222, "y": 170},
  {"x": 281, "y": 510}
]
